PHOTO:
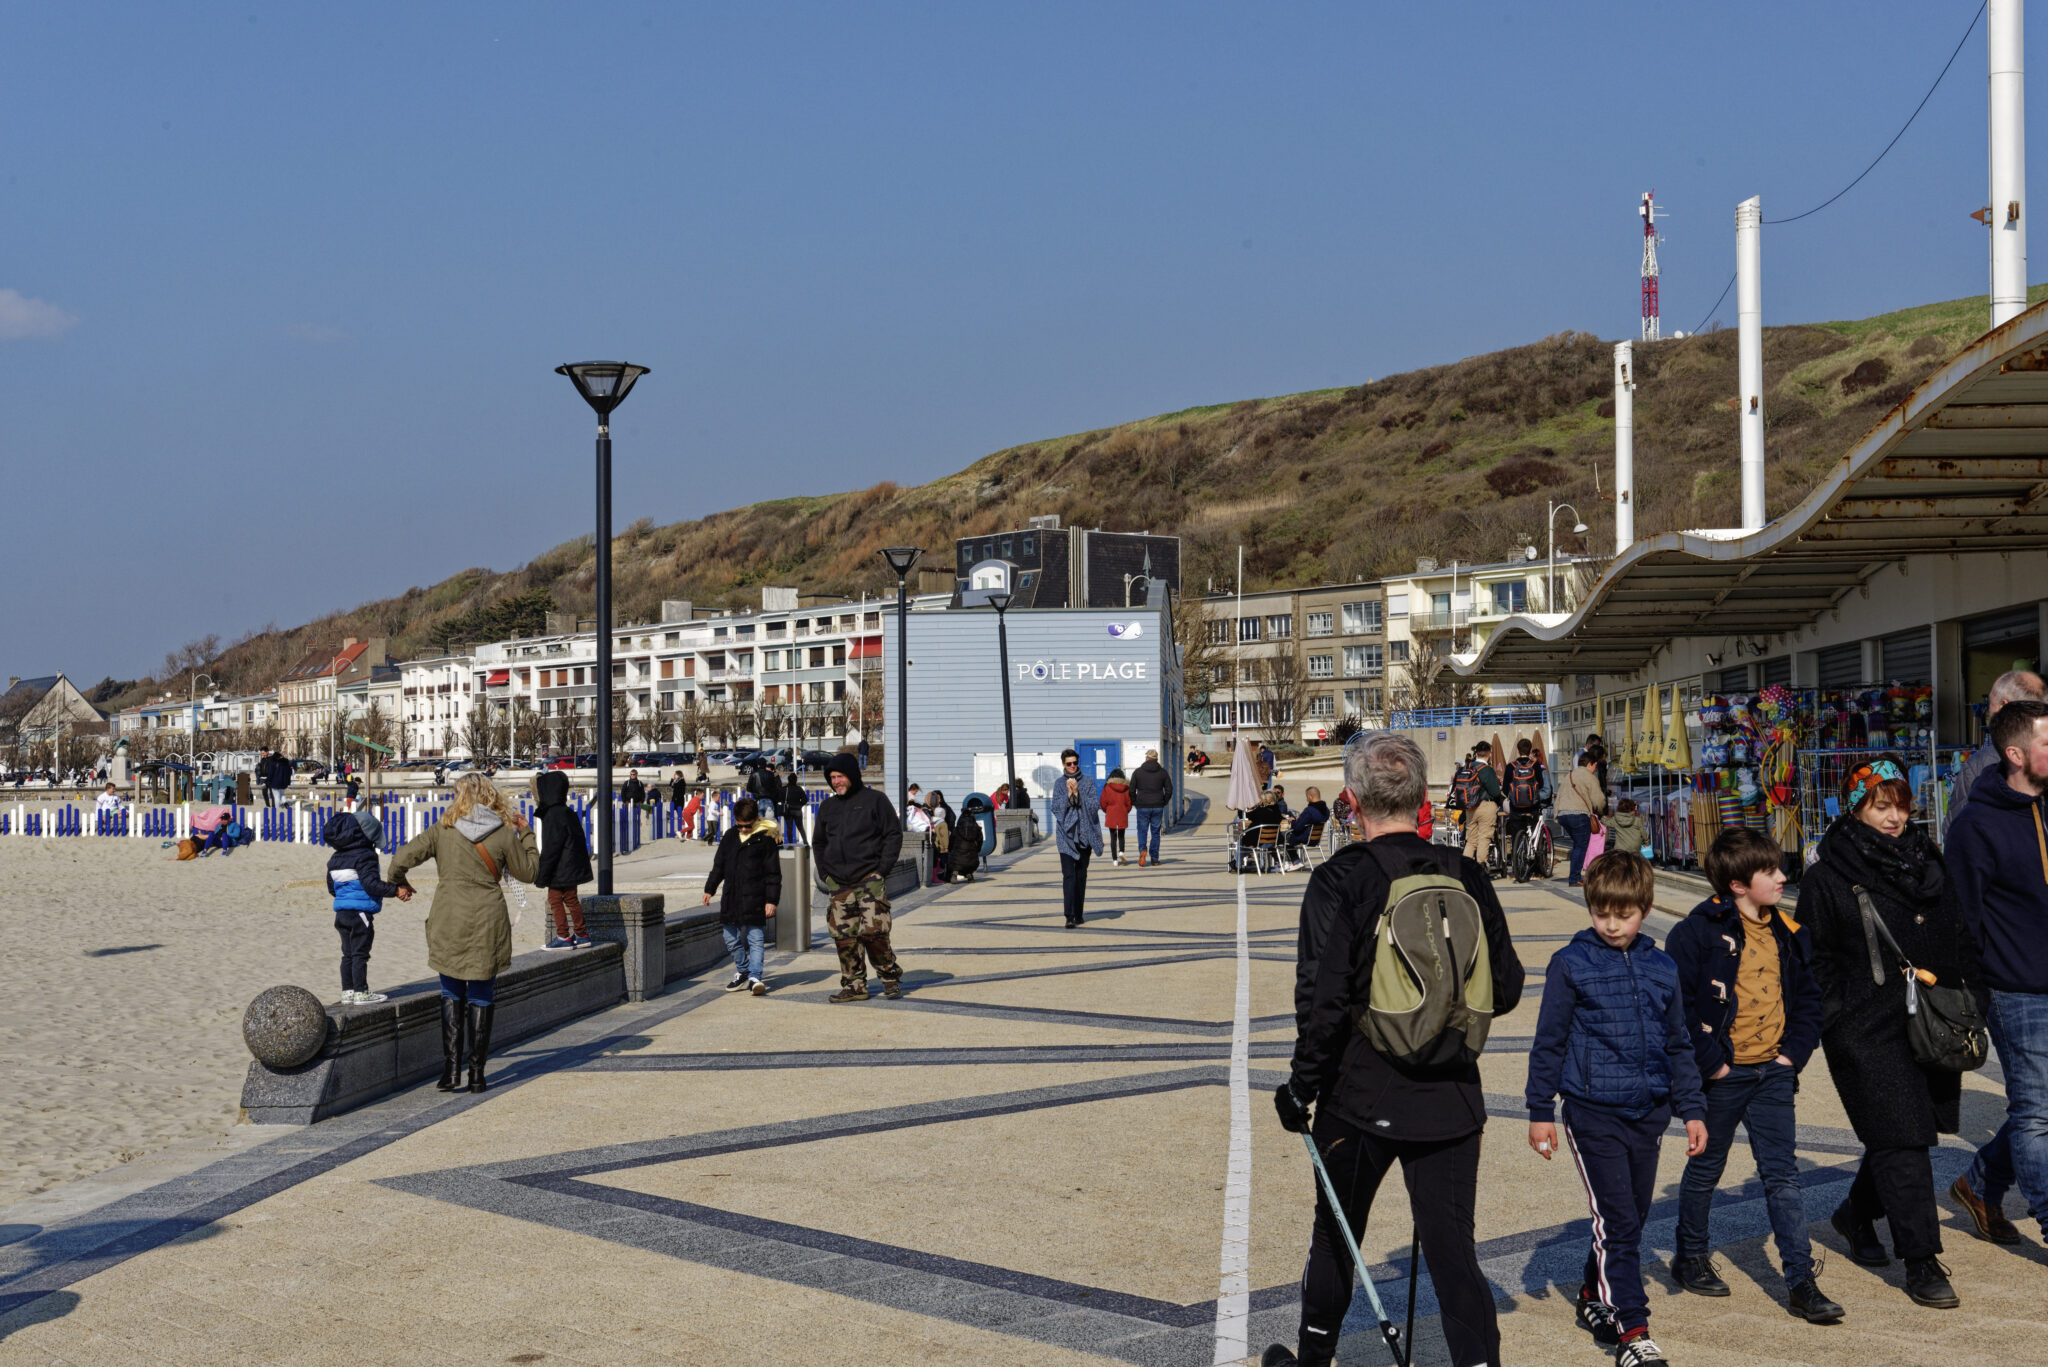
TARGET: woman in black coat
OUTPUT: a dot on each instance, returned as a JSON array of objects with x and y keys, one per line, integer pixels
[
  {"x": 965, "y": 855},
  {"x": 749, "y": 865},
  {"x": 1898, "y": 1108}
]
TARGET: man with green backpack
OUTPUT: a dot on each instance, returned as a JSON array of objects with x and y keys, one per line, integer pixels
[{"x": 1404, "y": 961}]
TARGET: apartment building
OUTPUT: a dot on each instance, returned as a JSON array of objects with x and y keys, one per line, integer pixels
[
  {"x": 247, "y": 712},
  {"x": 432, "y": 706},
  {"x": 1441, "y": 610},
  {"x": 1299, "y": 660},
  {"x": 308, "y": 695}
]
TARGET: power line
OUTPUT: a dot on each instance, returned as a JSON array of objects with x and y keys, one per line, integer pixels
[
  {"x": 1717, "y": 304},
  {"x": 1873, "y": 165},
  {"x": 1896, "y": 136}
]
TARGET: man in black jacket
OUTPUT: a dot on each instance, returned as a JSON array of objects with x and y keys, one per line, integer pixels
[
  {"x": 1369, "y": 1110},
  {"x": 855, "y": 843},
  {"x": 762, "y": 786},
  {"x": 1151, "y": 790},
  {"x": 795, "y": 801}
]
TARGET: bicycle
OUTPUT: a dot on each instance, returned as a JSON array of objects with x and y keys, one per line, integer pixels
[{"x": 1533, "y": 852}]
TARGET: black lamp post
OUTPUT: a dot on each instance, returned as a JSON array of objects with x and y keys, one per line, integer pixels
[
  {"x": 1001, "y": 603},
  {"x": 900, "y": 559},
  {"x": 604, "y": 386}
]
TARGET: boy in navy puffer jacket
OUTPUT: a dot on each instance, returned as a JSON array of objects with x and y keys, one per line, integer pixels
[
  {"x": 354, "y": 881},
  {"x": 1611, "y": 1039}
]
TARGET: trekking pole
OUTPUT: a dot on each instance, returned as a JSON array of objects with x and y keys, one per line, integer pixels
[
  {"x": 1387, "y": 1329},
  {"x": 1414, "y": 1268}
]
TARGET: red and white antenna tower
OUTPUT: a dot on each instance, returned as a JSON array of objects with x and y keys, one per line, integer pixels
[{"x": 1652, "y": 326}]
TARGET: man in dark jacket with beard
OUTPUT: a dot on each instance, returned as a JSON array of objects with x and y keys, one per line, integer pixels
[
  {"x": 1151, "y": 790},
  {"x": 564, "y": 859},
  {"x": 855, "y": 842},
  {"x": 1998, "y": 873},
  {"x": 1370, "y": 1110}
]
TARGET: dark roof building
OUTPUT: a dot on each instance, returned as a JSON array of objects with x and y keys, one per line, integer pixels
[{"x": 1044, "y": 565}]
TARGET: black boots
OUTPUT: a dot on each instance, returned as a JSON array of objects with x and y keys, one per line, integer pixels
[
  {"x": 1697, "y": 1275},
  {"x": 1861, "y": 1236},
  {"x": 479, "y": 1043},
  {"x": 451, "y": 1045},
  {"x": 1927, "y": 1284},
  {"x": 1812, "y": 1305}
]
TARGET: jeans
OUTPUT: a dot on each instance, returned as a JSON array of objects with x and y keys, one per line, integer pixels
[
  {"x": 475, "y": 991},
  {"x": 1759, "y": 1097},
  {"x": 745, "y": 944},
  {"x": 1116, "y": 842},
  {"x": 1150, "y": 819},
  {"x": 1579, "y": 827},
  {"x": 2018, "y": 1154},
  {"x": 1074, "y": 882}
]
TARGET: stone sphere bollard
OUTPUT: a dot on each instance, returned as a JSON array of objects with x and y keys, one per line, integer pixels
[{"x": 285, "y": 1027}]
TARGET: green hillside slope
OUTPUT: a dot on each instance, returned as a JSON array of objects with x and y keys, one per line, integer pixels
[{"x": 1452, "y": 461}]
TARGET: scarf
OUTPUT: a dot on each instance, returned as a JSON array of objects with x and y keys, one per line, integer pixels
[{"x": 1907, "y": 866}]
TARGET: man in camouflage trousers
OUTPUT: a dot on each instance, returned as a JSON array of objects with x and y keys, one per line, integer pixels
[{"x": 856, "y": 841}]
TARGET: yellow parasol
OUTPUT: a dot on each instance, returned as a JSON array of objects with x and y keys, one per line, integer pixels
[
  {"x": 1677, "y": 747},
  {"x": 1650, "y": 745}
]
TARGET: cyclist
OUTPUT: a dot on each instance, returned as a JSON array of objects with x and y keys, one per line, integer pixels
[
  {"x": 1480, "y": 796},
  {"x": 1527, "y": 789}
]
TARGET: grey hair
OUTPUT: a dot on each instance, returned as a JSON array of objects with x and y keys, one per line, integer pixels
[
  {"x": 1386, "y": 772},
  {"x": 2013, "y": 685}
]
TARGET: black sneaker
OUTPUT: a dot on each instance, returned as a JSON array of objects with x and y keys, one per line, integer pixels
[
  {"x": 1808, "y": 1302},
  {"x": 1697, "y": 1275},
  {"x": 739, "y": 980},
  {"x": 849, "y": 994},
  {"x": 1927, "y": 1284},
  {"x": 1639, "y": 1351},
  {"x": 1861, "y": 1236},
  {"x": 1278, "y": 1356},
  {"x": 1597, "y": 1320}
]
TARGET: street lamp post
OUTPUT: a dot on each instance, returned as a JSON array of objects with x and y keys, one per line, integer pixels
[
  {"x": 900, "y": 559},
  {"x": 1550, "y": 526},
  {"x": 604, "y": 386},
  {"x": 1001, "y": 603}
]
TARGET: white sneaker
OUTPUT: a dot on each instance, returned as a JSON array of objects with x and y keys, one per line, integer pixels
[
  {"x": 348, "y": 996},
  {"x": 1638, "y": 1352},
  {"x": 366, "y": 998},
  {"x": 757, "y": 987}
]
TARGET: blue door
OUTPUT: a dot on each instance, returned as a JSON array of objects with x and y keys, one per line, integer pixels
[{"x": 1098, "y": 757}]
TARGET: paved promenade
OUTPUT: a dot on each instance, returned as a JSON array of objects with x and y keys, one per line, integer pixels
[{"x": 1057, "y": 1147}]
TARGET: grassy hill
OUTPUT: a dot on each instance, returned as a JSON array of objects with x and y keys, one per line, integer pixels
[{"x": 1452, "y": 461}]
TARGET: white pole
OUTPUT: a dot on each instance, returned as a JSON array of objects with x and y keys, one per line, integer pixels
[
  {"x": 1624, "y": 451},
  {"x": 2005, "y": 25},
  {"x": 1749, "y": 314}
]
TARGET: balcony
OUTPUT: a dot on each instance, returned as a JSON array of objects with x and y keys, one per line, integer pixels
[
  {"x": 1454, "y": 619},
  {"x": 723, "y": 675}
]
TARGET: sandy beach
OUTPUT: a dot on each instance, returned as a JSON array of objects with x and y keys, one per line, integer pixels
[{"x": 128, "y": 973}]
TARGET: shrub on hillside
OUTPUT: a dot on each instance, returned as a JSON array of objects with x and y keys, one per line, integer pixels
[{"x": 1523, "y": 473}]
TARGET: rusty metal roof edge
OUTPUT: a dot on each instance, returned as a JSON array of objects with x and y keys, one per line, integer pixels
[{"x": 1977, "y": 361}]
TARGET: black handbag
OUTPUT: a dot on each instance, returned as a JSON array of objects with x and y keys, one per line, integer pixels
[{"x": 1944, "y": 1025}]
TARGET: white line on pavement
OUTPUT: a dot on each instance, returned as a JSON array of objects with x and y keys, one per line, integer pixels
[{"x": 1233, "y": 1291}]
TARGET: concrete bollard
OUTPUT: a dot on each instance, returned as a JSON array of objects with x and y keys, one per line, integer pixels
[
  {"x": 793, "y": 912},
  {"x": 634, "y": 920}
]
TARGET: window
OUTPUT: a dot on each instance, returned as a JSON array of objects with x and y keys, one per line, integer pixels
[
  {"x": 838, "y": 655},
  {"x": 579, "y": 676},
  {"x": 1248, "y": 714},
  {"x": 547, "y": 707},
  {"x": 672, "y": 638},
  {"x": 817, "y": 657},
  {"x": 1219, "y": 631},
  {"x": 1360, "y": 701},
  {"x": 1397, "y": 605},
  {"x": 817, "y": 692},
  {"x": 778, "y": 628},
  {"x": 1247, "y": 628},
  {"x": 1321, "y": 666},
  {"x": 1006, "y": 548},
  {"x": 746, "y": 633},
  {"x": 1361, "y": 619},
  {"x": 1219, "y": 714},
  {"x": 839, "y": 690},
  {"x": 770, "y": 659},
  {"x": 1219, "y": 674},
  {"x": 1319, "y": 624},
  {"x": 1279, "y": 627},
  {"x": 1511, "y": 597},
  {"x": 718, "y": 633},
  {"x": 1322, "y": 707},
  {"x": 1030, "y": 545},
  {"x": 619, "y": 670},
  {"x": 872, "y": 620},
  {"x": 1362, "y": 662},
  {"x": 1397, "y": 650}
]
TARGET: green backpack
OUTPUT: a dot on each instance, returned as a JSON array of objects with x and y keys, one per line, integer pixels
[{"x": 1431, "y": 1003}]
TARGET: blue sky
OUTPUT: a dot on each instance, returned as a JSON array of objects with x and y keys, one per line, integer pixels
[{"x": 281, "y": 286}]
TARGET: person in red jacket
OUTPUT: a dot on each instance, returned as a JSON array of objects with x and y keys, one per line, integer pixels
[{"x": 1116, "y": 811}]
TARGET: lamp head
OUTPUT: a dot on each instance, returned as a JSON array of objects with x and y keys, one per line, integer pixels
[
  {"x": 901, "y": 558},
  {"x": 603, "y": 384},
  {"x": 1580, "y": 529},
  {"x": 999, "y": 601}
]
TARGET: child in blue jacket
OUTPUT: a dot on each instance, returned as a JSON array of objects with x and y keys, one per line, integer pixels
[
  {"x": 1611, "y": 1039},
  {"x": 354, "y": 881}
]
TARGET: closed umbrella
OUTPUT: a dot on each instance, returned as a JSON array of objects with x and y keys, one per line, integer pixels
[
  {"x": 1650, "y": 746},
  {"x": 1677, "y": 745},
  {"x": 1244, "y": 776}
]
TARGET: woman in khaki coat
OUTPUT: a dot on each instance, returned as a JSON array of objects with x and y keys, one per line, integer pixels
[{"x": 477, "y": 841}]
